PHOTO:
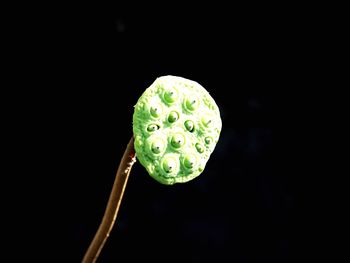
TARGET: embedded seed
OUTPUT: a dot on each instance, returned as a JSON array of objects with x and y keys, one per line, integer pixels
[
  {"x": 170, "y": 96},
  {"x": 173, "y": 117},
  {"x": 152, "y": 127},
  {"x": 189, "y": 125},
  {"x": 199, "y": 147},
  {"x": 157, "y": 146},
  {"x": 191, "y": 103},
  {"x": 208, "y": 140},
  {"x": 177, "y": 140},
  {"x": 189, "y": 161},
  {"x": 156, "y": 111},
  {"x": 169, "y": 165}
]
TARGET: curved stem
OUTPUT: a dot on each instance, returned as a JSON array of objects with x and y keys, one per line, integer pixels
[{"x": 115, "y": 198}]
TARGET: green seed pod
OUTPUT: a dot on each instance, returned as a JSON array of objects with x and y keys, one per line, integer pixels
[{"x": 177, "y": 147}]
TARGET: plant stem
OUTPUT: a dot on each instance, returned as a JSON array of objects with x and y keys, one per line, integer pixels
[{"x": 115, "y": 198}]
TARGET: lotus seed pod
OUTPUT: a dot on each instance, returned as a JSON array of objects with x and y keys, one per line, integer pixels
[{"x": 176, "y": 125}]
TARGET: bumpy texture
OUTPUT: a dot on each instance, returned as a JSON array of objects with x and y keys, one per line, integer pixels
[{"x": 176, "y": 125}]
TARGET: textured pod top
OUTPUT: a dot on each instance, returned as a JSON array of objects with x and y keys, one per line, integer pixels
[{"x": 176, "y": 125}]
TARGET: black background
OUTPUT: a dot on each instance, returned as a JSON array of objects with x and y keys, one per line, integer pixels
[{"x": 96, "y": 64}]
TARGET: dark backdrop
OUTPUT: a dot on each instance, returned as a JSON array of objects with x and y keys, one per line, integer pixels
[{"x": 243, "y": 206}]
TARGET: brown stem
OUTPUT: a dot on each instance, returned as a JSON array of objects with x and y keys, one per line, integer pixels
[{"x": 115, "y": 198}]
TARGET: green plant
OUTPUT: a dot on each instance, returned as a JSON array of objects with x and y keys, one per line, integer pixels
[{"x": 176, "y": 126}]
